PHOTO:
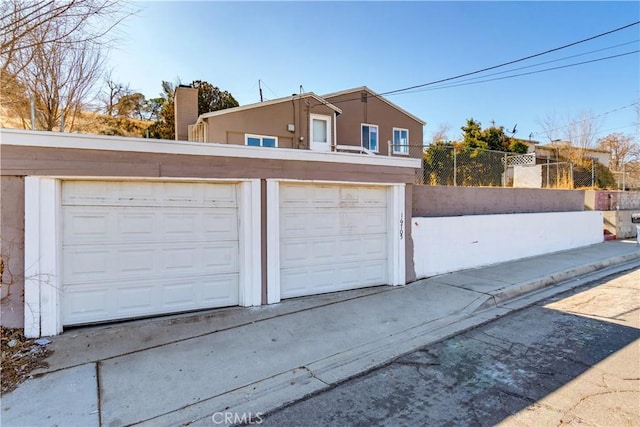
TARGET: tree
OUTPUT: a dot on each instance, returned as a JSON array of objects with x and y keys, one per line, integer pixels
[
  {"x": 164, "y": 126},
  {"x": 154, "y": 108},
  {"x": 623, "y": 148},
  {"x": 54, "y": 51},
  {"x": 54, "y": 21},
  {"x": 14, "y": 100},
  {"x": 60, "y": 79},
  {"x": 440, "y": 135},
  {"x": 211, "y": 98},
  {"x": 577, "y": 132},
  {"x": 112, "y": 94},
  {"x": 132, "y": 105},
  {"x": 491, "y": 138}
]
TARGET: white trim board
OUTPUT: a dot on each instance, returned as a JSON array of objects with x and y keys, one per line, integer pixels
[{"x": 26, "y": 138}]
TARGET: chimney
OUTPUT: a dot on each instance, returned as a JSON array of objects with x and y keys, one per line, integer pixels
[{"x": 185, "y": 103}]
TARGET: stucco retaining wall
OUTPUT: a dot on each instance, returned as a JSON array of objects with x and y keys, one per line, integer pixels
[
  {"x": 447, "y": 244},
  {"x": 439, "y": 201}
]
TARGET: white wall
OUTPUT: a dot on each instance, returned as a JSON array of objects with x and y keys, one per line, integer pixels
[
  {"x": 529, "y": 176},
  {"x": 446, "y": 244}
]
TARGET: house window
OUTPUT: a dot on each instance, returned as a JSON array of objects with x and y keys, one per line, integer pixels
[
  {"x": 320, "y": 132},
  {"x": 370, "y": 137},
  {"x": 261, "y": 140},
  {"x": 400, "y": 141}
]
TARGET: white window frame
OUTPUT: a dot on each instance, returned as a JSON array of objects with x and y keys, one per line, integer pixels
[
  {"x": 377, "y": 133},
  {"x": 403, "y": 150},
  {"x": 314, "y": 145},
  {"x": 261, "y": 137}
]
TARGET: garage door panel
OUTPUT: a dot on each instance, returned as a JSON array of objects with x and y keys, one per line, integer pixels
[
  {"x": 221, "y": 258},
  {"x": 177, "y": 259},
  {"x": 87, "y": 224},
  {"x": 86, "y": 263},
  {"x": 302, "y": 281},
  {"x": 179, "y": 225},
  {"x": 139, "y": 261},
  {"x": 102, "y": 262},
  {"x": 97, "y": 302},
  {"x": 92, "y": 302},
  {"x": 374, "y": 247},
  {"x": 141, "y": 194},
  {"x": 298, "y": 222},
  {"x": 373, "y": 197},
  {"x": 214, "y": 290},
  {"x": 223, "y": 225},
  {"x": 332, "y": 250},
  {"x": 144, "y": 248},
  {"x": 301, "y": 222},
  {"x": 135, "y": 299},
  {"x": 93, "y": 225}
]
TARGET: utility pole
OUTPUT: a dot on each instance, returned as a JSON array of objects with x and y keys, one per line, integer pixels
[{"x": 260, "y": 89}]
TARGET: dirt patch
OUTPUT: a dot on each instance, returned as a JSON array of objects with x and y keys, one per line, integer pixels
[{"x": 20, "y": 356}]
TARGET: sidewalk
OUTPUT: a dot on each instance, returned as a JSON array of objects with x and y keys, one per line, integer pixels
[{"x": 180, "y": 370}]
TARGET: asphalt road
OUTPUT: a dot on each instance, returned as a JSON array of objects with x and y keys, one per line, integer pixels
[{"x": 572, "y": 359}]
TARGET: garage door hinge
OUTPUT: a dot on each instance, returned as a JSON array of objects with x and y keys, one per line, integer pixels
[{"x": 401, "y": 226}]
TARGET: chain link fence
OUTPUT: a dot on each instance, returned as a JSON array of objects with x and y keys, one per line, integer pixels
[{"x": 444, "y": 164}]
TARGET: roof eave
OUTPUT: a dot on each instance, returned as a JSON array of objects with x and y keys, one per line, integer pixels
[{"x": 380, "y": 97}]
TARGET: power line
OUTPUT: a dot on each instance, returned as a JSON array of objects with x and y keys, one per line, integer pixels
[
  {"x": 514, "y": 61},
  {"x": 524, "y": 74},
  {"x": 545, "y": 62},
  {"x": 592, "y": 117},
  {"x": 396, "y": 91},
  {"x": 616, "y": 128},
  {"x": 270, "y": 90}
]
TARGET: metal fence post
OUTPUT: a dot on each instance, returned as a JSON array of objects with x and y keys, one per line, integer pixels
[
  {"x": 593, "y": 174},
  {"x": 571, "y": 174},
  {"x": 548, "y": 166},
  {"x": 455, "y": 168},
  {"x": 504, "y": 171}
]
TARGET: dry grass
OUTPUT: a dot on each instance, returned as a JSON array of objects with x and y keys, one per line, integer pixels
[
  {"x": 87, "y": 123},
  {"x": 20, "y": 356}
]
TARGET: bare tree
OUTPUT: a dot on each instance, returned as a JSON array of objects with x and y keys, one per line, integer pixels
[
  {"x": 112, "y": 94},
  {"x": 623, "y": 150},
  {"x": 571, "y": 135},
  {"x": 55, "y": 21},
  {"x": 51, "y": 53},
  {"x": 60, "y": 76},
  {"x": 581, "y": 130},
  {"x": 440, "y": 134}
]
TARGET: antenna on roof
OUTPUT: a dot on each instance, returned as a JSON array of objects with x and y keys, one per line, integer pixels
[{"x": 260, "y": 89}]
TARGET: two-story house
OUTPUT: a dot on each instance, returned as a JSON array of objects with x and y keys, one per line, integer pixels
[{"x": 356, "y": 120}]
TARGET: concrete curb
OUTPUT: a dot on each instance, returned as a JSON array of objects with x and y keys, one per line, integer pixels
[{"x": 513, "y": 292}]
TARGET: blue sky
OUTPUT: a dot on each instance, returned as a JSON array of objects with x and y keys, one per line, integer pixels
[{"x": 330, "y": 46}]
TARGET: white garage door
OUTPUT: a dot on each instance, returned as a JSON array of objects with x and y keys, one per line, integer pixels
[
  {"x": 133, "y": 249},
  {"x": 332, "y": 238}
]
